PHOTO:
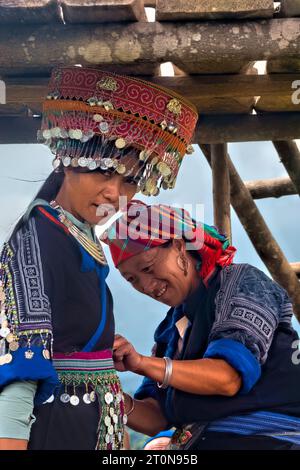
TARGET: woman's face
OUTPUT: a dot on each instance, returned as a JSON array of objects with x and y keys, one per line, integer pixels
[
  {"x": 83, "y": 193},
  {"x": 156, "y": 273}
]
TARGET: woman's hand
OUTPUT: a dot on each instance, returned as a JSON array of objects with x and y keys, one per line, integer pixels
[{"x": 125, "y": 356}]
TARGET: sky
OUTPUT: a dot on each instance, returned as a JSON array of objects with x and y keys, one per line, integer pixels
[{"x": 136, "y": 315}]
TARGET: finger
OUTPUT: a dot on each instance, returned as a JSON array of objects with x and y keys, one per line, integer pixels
[
  {"x": 122, "y": 351},
  {"x": 119, "y": 342}
]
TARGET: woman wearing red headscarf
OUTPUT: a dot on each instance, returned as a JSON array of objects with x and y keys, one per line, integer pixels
[{"x": 222, "y": 370}]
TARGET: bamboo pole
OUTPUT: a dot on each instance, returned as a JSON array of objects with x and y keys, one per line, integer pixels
[
  {"x": 275, "y": 187},
  {"x": 290, "y": 156},
  {"x": 260, "y": 235},
  {"x": 221, "y": 188}
]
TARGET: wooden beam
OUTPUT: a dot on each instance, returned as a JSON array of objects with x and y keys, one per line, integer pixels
[
  {"x": 185, "y": 10},
  {"x": 102, "y": 11},
  {"x": 276, "y": 187},
  {"x": 247, "y": 128},
  {"x": 290, "y": 157},
  {"x": 31, "y": 11},
  {"x": 221, "y": 188},
  {"x": 211, "y": 129},
  {"x": 260, "y": 235},
  {"x": 193, "y": 47},
  {"x": 290, "y": 8},
  {"x": 211, "y": 94}
]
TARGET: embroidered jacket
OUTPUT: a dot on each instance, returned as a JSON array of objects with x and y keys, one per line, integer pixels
[{"x": 244, "y": 318}]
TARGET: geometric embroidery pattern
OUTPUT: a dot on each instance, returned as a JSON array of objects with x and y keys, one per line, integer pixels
[
  {"x": 32, "y": 302},
  {"x": 248, "y": 308}
]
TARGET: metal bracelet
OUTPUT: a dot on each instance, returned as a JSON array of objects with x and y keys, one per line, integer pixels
[
  {"x": 132, "y": 405},
  {"x": 168, "y": 373}
]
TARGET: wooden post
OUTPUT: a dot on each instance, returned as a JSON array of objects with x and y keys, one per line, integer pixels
[
  {"x": 260, "y": 235},
  {"x": 275, "y": 187},
  {"x": 290, "y": 156},
  {"x": 221, "y": 188}
]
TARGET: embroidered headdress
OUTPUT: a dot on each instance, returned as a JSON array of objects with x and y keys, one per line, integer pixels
[{"x": 93, "y": 119}]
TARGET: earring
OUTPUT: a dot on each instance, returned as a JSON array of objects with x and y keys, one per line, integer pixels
[{"x": 183, "y": 263}]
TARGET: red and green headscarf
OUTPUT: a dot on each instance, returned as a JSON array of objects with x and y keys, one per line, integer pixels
[{"x": 143, "y": 227}]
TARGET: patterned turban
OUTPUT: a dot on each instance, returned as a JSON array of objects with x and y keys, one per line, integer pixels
[{"x": 143, "y": 227}]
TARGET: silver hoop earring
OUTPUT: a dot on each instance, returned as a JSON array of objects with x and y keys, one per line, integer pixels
[{"x": 183, "y": 264}]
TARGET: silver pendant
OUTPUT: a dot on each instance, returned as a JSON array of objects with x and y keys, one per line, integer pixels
[
  {"x": 107, "y": 438},
  {"x": 14, "y": 346},
  {"x": 111, "y": 411},
  {"x": 67, "y": 161},
  {"x": 93, "y": 396},
  {"x": 115, "y": 418},
  {"x": 4, "y": 332},
  {"x": 103, "y": 127},
  {"x": 29, "y": 354},
  {"x": 119, "y": 397},
  {"x": 107, "y": 421},
  {"x": 65, "y": 398},
  {"x": 46, "y": 354},
  {"x": 87, "y": 399},
  {"x": 92, "y": 165},
  {"x": 110, "y": 430},
  {"x": 82, "y": 162},
  {"x": 108, "y": 398},
  {"x": 125, "y": 419},
  {"x": 74, "y": 400},
  {"x": 50, "y": 399}
]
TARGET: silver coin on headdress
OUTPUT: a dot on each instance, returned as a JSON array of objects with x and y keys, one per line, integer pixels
[
  {"x": 109, "y": 162},
  {"x": 74, "y": 162},
  {"x": 92, "y": 165},
  {"x": 55, "y": 132},
  {"x": 82, "y": 161},
  {"x": 104, "y": 127},
  {"x": 67, "y": 161},
  {"x": 56, "y": 163}
]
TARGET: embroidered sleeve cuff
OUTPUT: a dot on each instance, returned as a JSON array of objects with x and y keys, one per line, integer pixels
[
  {"x": 36, "y": 369},
  {"x": 239, "y": 357},
  {"x": 147, "y": 389}
]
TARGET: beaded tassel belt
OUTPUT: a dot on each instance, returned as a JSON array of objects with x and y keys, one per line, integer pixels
[{"x": 95, "y": 372}]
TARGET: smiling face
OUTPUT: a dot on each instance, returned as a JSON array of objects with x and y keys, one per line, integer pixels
[
  {"x": 158, "y": 274},
  {"x": 83, "y": 193}
]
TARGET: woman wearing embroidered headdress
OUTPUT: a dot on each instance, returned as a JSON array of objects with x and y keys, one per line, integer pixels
[
  {"x": 111, "y": 136},
  {"x": 224, "y": 368}
]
